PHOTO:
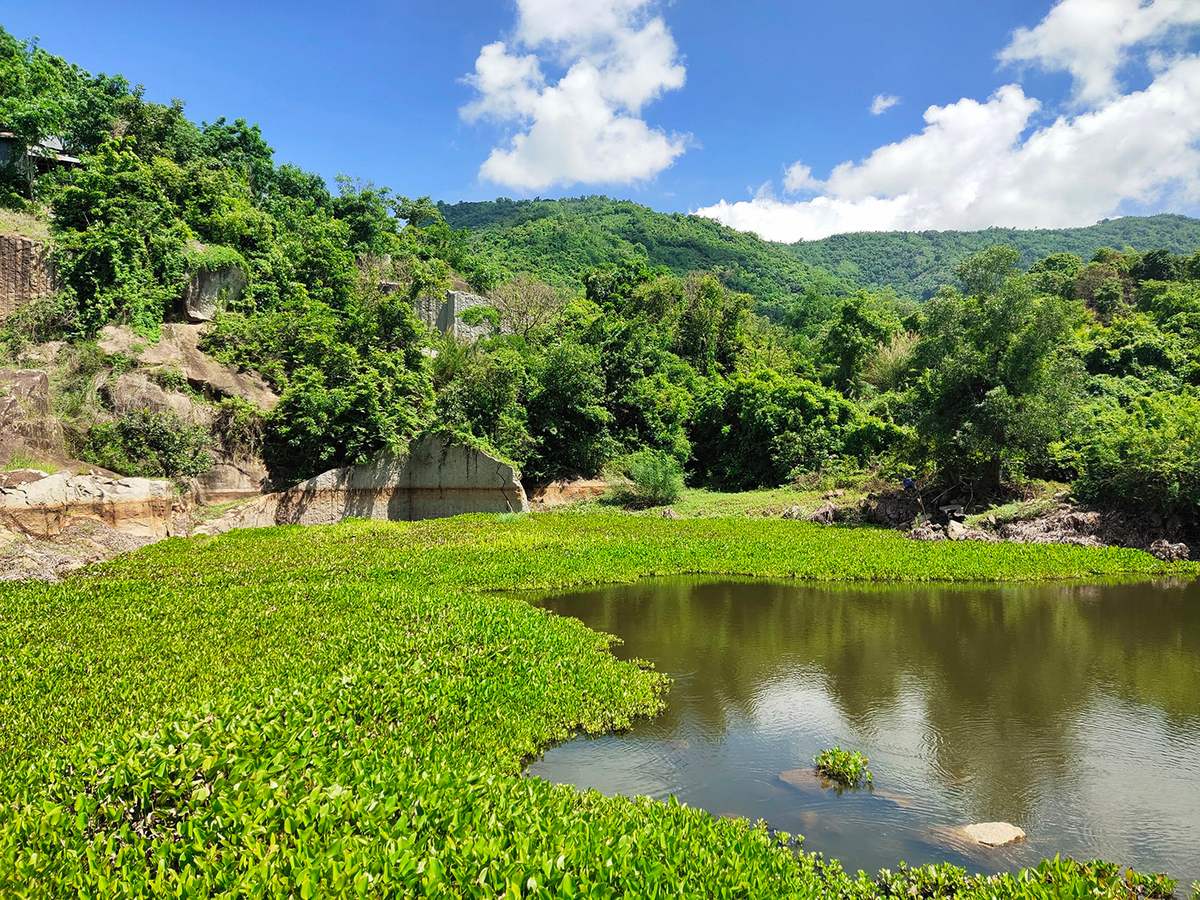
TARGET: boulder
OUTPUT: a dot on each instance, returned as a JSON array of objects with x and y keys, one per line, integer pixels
[
  {"x": 209, "y": 290},
  {"x": 959, "y": 531},
  {"x": 927, "y": 531},
  {"x": 1170, "y": 552},
  {"x": 826, "y": 515},
  {"x": 27, "y": 422},
  {"x": 435, "y": 478},
  {"x": 993, "y": 834},
  {"x": 133, "y": 391},
  {"x": 179, "y": 347},
  {"x": 141, "y": 507}
]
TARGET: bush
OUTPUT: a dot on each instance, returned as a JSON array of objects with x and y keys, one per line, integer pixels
[
  {"x": 656, "y": 479},
  {"x": 1146, "y": 454},
  {"x": 149, "y": 444},
  {"x": 847, "y": 767}
]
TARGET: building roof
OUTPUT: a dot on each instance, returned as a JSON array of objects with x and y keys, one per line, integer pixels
[{"x": 47, "y": 148}]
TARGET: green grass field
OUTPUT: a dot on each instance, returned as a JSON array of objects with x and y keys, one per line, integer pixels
[{"x": 346, "y": 711}]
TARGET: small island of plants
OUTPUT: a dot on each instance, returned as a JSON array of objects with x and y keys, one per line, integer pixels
[{"x": 846, "y": 767}]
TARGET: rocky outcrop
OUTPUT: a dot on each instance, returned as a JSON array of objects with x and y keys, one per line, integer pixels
[
  {"x": 25, "y": 272},
  {"x": 133, "y": 391},
  {"x": 144, "y": 508},
  {"x": 210, "y": 290},
  {"x": 436, "y": 478},
  {"x": 232, "y": 478},
  {"x": 179, "y": 348},
  {"x": 80, "y": 544},
  {"x": 27, "y": 422}
]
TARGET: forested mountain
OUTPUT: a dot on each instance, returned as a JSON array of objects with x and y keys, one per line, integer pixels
[
  {"x": 559, "y": 240},
  {"x": 918, "y": 263}
]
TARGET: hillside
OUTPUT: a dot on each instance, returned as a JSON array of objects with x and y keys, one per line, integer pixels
[
  {"x": 559, "y": 240},
  {"x": 917, "y": 264}
]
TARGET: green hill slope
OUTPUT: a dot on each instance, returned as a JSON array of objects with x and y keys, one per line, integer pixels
[
  {"x": 918, "y": 263},
  {"x": 559, "y": 240}
]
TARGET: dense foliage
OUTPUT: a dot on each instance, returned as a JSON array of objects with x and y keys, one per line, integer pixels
[
  {"x": 916, "y": 264},
  {"x": 340, "y": 711},
  {"x": 611, "y": 331},
  {"x": 560, "y": 240}
]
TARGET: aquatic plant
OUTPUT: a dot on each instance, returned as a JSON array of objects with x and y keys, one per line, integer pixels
[
  {"x": 347, "y": 710},
  {"x": 847, "y": 767}
]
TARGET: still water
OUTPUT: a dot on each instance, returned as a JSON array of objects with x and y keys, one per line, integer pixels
[{"x": 1071, "y": 711}]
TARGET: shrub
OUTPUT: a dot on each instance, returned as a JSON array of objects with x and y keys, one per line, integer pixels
[
  {"x": 239, "y": 426},
  {"x": 1146, "y": 454},
  {"x": 656, "y": 479},
  {"x": 150, "y": 445},
  {"x": 848, "y": 767}
]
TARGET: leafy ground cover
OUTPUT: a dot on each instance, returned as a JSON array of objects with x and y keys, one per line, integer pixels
[
  {"x": 848, "y": 767},
  {"x": 346, "y": 710}
]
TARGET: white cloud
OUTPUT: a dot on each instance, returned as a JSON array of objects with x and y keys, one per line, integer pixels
[
  {"x": 882, "y": 103},
  {"x": 999, "y": 162},
  {"x": 797, "y": 179},
  {"x": 586, "y": 126},
  {"x": 1091, "y": 39}
]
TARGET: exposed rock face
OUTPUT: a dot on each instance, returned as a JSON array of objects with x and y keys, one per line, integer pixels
[
  {"x": 179, "y": 347},
  {"x": 133, "y": 391},
  {"x": 435, "y": 478},
  {"x": 139, "y": 507},
  {"x": 994, "y": 834},
  {"x": 25, "y": 272},
  {"x": 233, "y": 478},
  {"x": 27, "y": 422},
  {"x": 209, "y": 290},
  {"x": 49, "y": 559},
  {"x": 1170, "y": 552},
  {"x": 564, "y": 493}
]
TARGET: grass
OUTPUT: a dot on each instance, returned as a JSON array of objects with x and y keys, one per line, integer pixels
[
  {"x": 20, "y": 460},
  {"x": 346, "y": 710},
  {"x": 24, "y": 224},
  {"x": 846, "y": 767}
]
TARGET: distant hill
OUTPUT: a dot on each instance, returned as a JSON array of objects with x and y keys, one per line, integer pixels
[
  {"x": 559, "y": 240},
  {"x": 918, "y": 263}
]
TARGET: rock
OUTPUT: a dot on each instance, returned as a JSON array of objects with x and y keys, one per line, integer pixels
[
  {"x": 958, "y": 531},
  {"x": 27, "y": 422},
  {"x": 565, "y": 493},
  {"x": 133, "y": 391},
  {"x": 26, "y": 272},
  {"x": 928, "y": 531},
  {"x": 436, "y": 478},
  {"x": 993, "y": 834},
  {"x": 444, "y": 314},
  {"x": 805, "y": 779},
  {"x": 1169, "y": 552},
  {"x": 669, "y": 513},
  {"x": 834, "y": 494},
  {"x": 179, "y": 347},
  {"x": 232, "y": 478},
  {"x": 80, "y": 544},
  {"x": 140, "y": 507},
  {"x": 795, "y": 513},
  {"x": 209, "y": 290},
  {"x": 17, "y": 477},
  {"x": 826, "y": 515}
]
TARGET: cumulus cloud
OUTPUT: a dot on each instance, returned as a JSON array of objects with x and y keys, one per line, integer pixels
[
  {"x": 586, "y": 126},
  {"x": 882, "y": 103},
  {"x": 999, "y": 161},
  {"x": 797, "y": 179},
  {"x": 1092, "y": 39}
]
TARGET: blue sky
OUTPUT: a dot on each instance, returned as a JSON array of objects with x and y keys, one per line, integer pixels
[{"x": 693, "y": 105}]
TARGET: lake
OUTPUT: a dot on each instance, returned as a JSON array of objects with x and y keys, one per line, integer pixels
[{"x": 1070, "y": 710}]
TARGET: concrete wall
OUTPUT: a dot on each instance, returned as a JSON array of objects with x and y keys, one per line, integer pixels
[
  {"x": 25, "y": 272},
  {"x": 435, "y": 479},
  {"x": 444, "y": 313}
]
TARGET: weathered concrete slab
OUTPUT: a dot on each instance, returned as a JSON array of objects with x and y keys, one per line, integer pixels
[{"x": 435, "y": 479}]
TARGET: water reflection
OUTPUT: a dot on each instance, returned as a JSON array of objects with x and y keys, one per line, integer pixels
[{"x": 1073, "y": 711}]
